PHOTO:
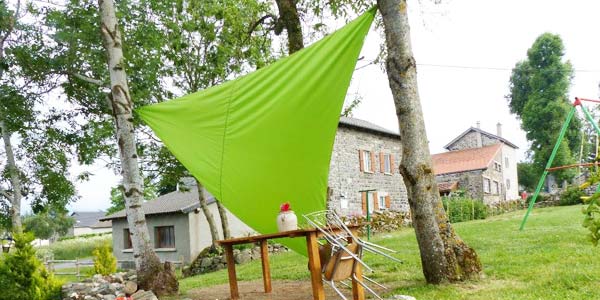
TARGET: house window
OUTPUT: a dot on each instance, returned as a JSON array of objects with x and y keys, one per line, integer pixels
[
  {"x": 497, "y": 166},
  {"x": 381, "y": 201},
  {"x": 496, "y": 188},
  {"x": 508, "y": 184},
  {"x": 486, "y": 185},
  {"x": 506, "y": 162},
  {"x": 367, "y": 163},
  {"x": 387, "y": 159},
  {"x": 164, "y": 237},
  {"x": 127, "y": 239}
]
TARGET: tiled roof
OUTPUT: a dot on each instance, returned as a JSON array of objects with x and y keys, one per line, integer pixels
[
  {"x": 86, "y": 218},
  {"x": 493, "y": 136},
  {"x": 447, "y": 186},
  {"x": 362, "y": 124},
  {"x": 169, "y": 203},
  {"x": 464, "y": 160}
]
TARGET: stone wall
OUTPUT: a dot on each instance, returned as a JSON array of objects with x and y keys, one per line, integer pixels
[
  {"x": 473, "y": 139},
  {"x": 208, "y": 262},
  {"x": 494, "y": 176},
  {"x": 471, "y": 182},
  {"x": 346, "y": 179}
]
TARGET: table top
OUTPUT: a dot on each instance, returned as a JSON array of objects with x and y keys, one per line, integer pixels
[{"x": 269, "y": 236}]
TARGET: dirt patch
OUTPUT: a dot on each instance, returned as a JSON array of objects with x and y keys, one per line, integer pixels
[{"x": 253, "y": 290}]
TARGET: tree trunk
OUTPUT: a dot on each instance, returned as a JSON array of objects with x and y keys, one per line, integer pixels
[
  {"x": 224, "y": 220},
  {"x": 15, "y": 181},
  {"x": 214, "y": 233},
  {"x": 289, "y": 19},
  {"x": 152, "y": 275},
  {"x": 444, "y": 256}
]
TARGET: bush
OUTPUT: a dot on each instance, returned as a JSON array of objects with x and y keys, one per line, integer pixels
[
  {"x": 22, "y": 275},
  {"x": 571, "y": 196},
  {"x": 105, "y": 262},
  {"x": 464, "y": 209}
]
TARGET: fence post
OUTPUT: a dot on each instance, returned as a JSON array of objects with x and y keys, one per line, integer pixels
[{"x": 77, "y": 268}]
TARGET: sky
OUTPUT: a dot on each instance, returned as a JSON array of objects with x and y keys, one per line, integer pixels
[{"x": 465, "y": 50}]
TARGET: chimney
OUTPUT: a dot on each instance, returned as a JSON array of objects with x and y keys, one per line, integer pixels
[
  {"x": 499, "y": 129},
  {"x": 478, "y": 125}
]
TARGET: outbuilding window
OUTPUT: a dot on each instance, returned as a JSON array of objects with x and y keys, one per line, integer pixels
[
  {"x": 487, "y": 185},
  {"x": 164, "y": 237},
  {"x": 127, "y": 239}
]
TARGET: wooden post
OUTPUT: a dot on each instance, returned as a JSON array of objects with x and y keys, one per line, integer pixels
[
  {"x": 314, "y": 264},
  {"x": 358, "y": 291},
  {"x": 233, "y": 287},
  {"x": 264, "y": 256}
]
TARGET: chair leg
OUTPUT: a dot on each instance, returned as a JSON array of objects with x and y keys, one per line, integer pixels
[
  {"x": 375, "y": 282},
  {"x": 337, "y": 290},
  {"x": 367, "y": 287}
]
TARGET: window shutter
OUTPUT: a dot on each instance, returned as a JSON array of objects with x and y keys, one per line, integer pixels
[
  {"x": 392, "y": 164},
  {"x": 363, "y": 196},
  {"x": 360, "y": 160},
  {"x": 388, "y": 201},
  {"x": 375, "y": 201},
  {"x": 372, "y": 161},
  {"x": 381, "y": 162}
]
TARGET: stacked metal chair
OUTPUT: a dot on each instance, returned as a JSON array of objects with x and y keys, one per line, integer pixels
[{"x": 343, "y": 250}]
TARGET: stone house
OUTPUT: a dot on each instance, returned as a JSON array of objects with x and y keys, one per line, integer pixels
[
  {"x": 177, "y": 226},
  {"x": 88, "y": 222},
  {"x": 364, "y": 169},
  {"x": 481, "y": 163}
]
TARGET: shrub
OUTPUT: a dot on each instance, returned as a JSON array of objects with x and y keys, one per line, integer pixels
[
  {"x": 105, "y": 262},
  {"x": 464, "y": 209},
  {"x": 571, "y": 196},
  {"x": 22, "y": 275}
]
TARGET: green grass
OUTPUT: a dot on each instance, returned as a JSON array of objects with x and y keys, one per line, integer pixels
[
  {"x": 75, "y": 248},
  {"x": 550, "y": 259}
]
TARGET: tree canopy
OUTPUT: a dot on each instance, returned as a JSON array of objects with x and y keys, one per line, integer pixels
[{"x": 539, "y": 88}]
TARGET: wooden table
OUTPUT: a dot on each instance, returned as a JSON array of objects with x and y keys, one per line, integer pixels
[{"x": 314, "y": 261}]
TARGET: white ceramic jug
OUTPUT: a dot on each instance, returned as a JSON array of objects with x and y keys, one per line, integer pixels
[{"x": 286, "y": 221}]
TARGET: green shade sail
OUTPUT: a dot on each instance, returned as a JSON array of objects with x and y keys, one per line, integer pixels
[{"x": 266, "y": 138}]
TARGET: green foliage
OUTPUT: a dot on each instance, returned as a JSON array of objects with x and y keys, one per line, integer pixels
[
  {"x": 22, "y": 275},
  {"x": 464, "y": 209},
  {"x": 117, "y": 199},
  {"x": 105, "y": 262},
  {"x": 77, "y": 247},
  {"x": 591, "y": 221},
  {"x": 571, "y": 196},
  {"x": 528, "y": 176},
  {"x": 538, "y": 96},
  {"x": 45, "y": 224}
]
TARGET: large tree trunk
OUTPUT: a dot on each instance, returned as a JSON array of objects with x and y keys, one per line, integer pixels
[
  {"x": 224, "y": 220},
  {"x": 15, "y": 181},
  {"x": 152, "y": 275},
  {"x": 289, "y": 19},
  {"x": 214, "y": 233},
  {"x": 444, "y": 256}
]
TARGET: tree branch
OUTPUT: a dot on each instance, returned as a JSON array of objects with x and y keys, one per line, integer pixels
[
  {"x": 87, "y": 79},
  {"x": 261, "y": 21}
]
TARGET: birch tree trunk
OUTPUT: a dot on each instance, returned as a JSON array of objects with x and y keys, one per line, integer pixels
[
  {"x": 444, "y": 256},
  {"x": 214, "y": 233},
  {"x": 152, "y": 275},
  {"x": 289, "y": 19},
  {"x": 15, "y": 181},
  {"x": 224, "y": 220}
]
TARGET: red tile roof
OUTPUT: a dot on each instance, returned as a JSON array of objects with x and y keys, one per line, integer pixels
[
  {"x": 464, "y": 160},
  {"x": 447, "y": 186}
]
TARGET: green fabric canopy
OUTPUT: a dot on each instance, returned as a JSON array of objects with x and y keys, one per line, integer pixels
[{"x": 266, "y": 138}]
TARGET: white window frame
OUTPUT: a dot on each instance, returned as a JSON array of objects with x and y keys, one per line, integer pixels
[
  {"x": 496, "y": 186},
  {"x": 507, "y": 184},
  {"x": 487, "y": 183},
  {"x": 387, "y": 164},
  {"x": 367, "y": 163},
  {"x": 381, "y": 199}
]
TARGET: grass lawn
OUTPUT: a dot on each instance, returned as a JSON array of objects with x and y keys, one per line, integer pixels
[{"x": 550, "y": 259}]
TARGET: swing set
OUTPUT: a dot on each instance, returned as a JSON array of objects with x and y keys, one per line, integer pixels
[{"x": 563, "y": 130}]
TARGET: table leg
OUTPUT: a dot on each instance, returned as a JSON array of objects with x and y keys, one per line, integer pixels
[
  {"x": 314, "y": 264},
  {"x": 264, "y": 255},
  {"x": 358, "y": 291},
  {"x": 233, "y": 287}
]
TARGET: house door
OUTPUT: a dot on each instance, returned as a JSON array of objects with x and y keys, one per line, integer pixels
[{"x": 372, "y": 202}]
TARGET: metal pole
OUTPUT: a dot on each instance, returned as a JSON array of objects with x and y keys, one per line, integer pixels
[
  {"x": 563, "y": 130},
  {"x": 368, "y": 213}
]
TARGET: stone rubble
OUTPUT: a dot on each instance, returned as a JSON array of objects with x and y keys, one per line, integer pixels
[
  {"x": 208, "y": 262},
  {"x": 105, "y": 288}
]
